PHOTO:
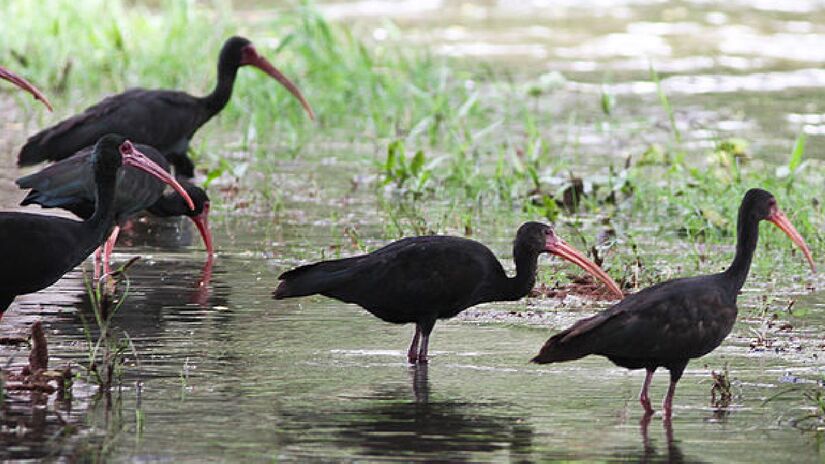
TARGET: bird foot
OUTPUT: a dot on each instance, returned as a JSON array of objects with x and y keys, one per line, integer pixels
[
  {"x": 423, "y": 360},
  {"x": 412, "y": 358}
]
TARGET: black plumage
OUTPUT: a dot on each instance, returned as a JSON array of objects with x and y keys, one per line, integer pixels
[
  {"x": 670, "y": 323},
  {"x": 422, "y": 279},
  {"x": 70, "y": 184},
  {"x": 165, "y": 119},
  {"x": 37, "y": 249},
  {"x": 172, "y": 204}
]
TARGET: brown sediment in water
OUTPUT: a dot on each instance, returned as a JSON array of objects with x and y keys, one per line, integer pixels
[
  {"x": 583, "y": 286},
  {"x": 36, "y": 377}
]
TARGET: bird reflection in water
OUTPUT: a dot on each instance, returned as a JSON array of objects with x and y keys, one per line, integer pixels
[
  {"x": 446, "y": 429},
  {"x": 37, "y": 428},
  {"x": 394, "y": 423},
  {"x": 171, "y": 234},
  {"x": 650, "y": 453}
]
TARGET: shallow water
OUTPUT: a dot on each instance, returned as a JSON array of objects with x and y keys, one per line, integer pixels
[{"x": 225, "y": 373}]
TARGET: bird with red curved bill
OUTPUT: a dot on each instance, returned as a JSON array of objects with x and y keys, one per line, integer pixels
[
  {"x": 165, "y": 119},
  {"x": 422, "y": 279},
  {"x": 36, "y": 250},
  {"x": 172, "y": 204},
  {"x": 70, "y": 184},
  {"x": 672, "y": 322},
  {"x": 25, "y": 85}
]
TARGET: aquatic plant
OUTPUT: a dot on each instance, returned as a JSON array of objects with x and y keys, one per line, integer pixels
[
  {"x": 721, "y": 394},
  {"x": 105, "y": 355}
]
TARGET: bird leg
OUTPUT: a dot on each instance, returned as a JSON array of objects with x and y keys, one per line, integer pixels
[
  {"x": 667, "y": 404},
  {"x": 644, "y": 399},
  {"x": 676, "y": 371},
  {"x": 107, "y": 250},
  {"x": 422, "y": 352},
  {"x": 425, "y": 328},
  {"x": 412, "y": 353}
]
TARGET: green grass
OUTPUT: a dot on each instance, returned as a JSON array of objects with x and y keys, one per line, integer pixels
[{"x": 448, "y": 156}]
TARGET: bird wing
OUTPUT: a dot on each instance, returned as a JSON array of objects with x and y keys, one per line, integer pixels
[
  {"x": 680, "y": 318},
  {"x": 414, "y": 274},
  {"x": 67, "y": 184},
  {"x": 403, "y": 277},
  {"x": 158, "y": 117},
  {"x": 38, "y": 249}
]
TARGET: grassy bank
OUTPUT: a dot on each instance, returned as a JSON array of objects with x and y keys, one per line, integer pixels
[{"x": 431, "y": 130}]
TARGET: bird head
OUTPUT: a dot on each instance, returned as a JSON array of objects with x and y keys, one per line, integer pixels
[
  {"x": 113, "y": 151},
  {"x": 762, "y": 205},
  {"x": 541, "y": 238},
  {"x": 200, "y": 215},
  {"x": 239, "y": 51},
  {"x": 106, "y": 154}
]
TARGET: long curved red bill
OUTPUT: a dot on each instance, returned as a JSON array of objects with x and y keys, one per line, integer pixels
[
  {"x": 202, "y": 223},
  {"x": 25, "y": 85},
  {"x": 250, "y": 56},
  {"x": 560, "y": 248},
  {"x": 134, "y": 158},
  {"x": 780, "y": 220}
]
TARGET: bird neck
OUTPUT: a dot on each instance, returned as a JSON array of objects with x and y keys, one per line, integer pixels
[
  {"x": 747, "y": 235},
  {"x": 524, "y": 280},
  {"x": 103, "y": 219},
  {"x": 166, "y": 206},
  {"x": 222, "y": 92}
]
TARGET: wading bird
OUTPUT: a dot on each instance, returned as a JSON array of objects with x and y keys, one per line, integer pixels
[
  {"x": 36, "y": 250},
  {"x": 172, "y": 204},
  {"x": 25, "y": 85},
  {"x": 70, "y": 184},
  {"x": 670, "y": 323},
  {"x": 165, "y": 119},
  {"x": 422, "y": 279}
]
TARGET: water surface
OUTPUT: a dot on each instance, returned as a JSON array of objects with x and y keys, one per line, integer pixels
[{"x": 225, "y": 373}]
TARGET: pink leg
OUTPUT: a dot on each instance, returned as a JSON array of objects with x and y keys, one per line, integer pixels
[
  {"x": 412, "y": 353},
  {"x": 422, "y": 352},
  {"x": 107, "y": 250},
  {"x": 667, "y": 405},
  {"x": 644, "y": 399}
]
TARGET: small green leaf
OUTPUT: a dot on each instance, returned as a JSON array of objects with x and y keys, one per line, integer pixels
[
  {"x": 417, "y": 163},
  {"x": 608, "y": 101},
  {"x": 798, "y": 153}
]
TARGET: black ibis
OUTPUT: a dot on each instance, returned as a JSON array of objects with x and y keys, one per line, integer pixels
[
  {"x": 25, "y": 85},
  {"x": 165, "y": 119},
  {"x": 70, "y": 184},
  {"x": 37, "y": 249},
  {"x": 672, "y": 322},
  {"x": 172, "y": 204},
  {"x": 422, "y": 279}
]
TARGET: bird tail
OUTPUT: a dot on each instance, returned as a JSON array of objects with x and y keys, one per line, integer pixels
[
  {"x": 31, "y": 153},
  {"x": 58, "y": 185},
  {"x": 569, "y": 345},
  {"x": 313, "y": 278}
]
